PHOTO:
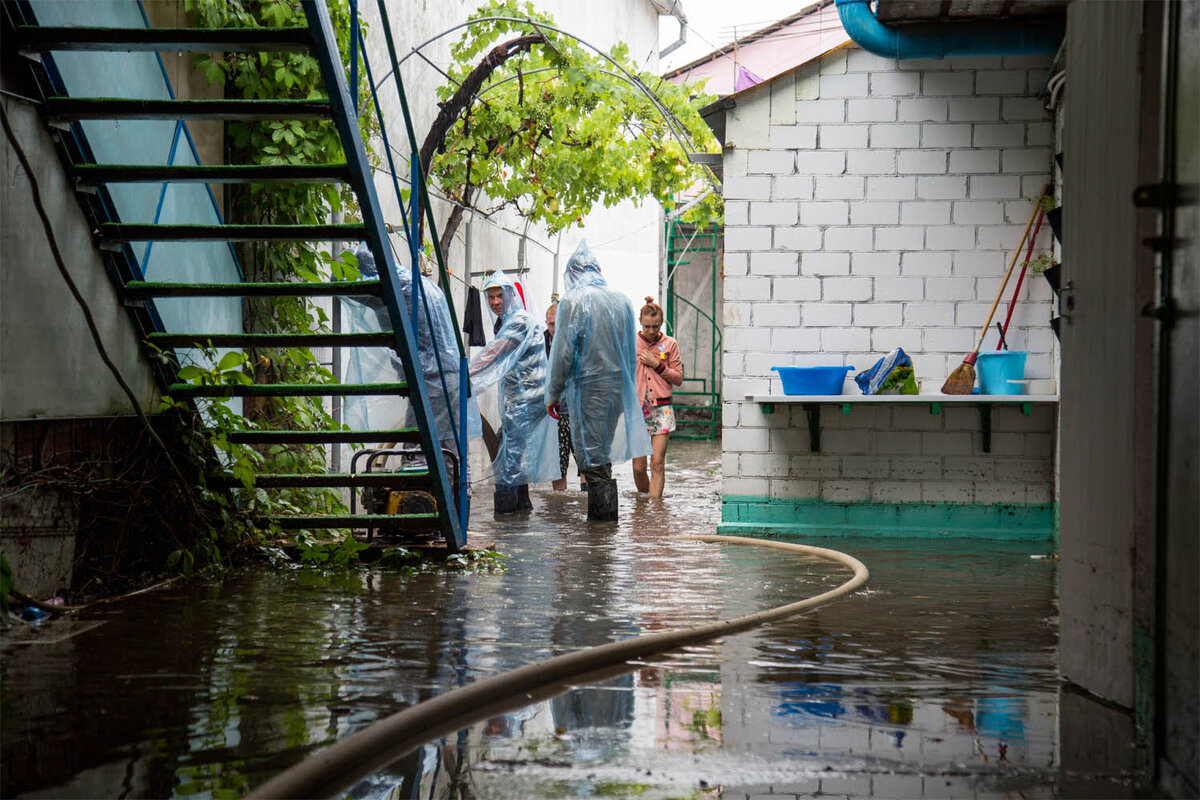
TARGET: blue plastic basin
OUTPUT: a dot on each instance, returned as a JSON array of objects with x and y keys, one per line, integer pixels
[
  {"x": 812, "y": 380},
  {"x": 998, "y": 370}
]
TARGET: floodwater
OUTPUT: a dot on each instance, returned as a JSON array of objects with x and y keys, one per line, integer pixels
[{"x": 937, "y": 679}]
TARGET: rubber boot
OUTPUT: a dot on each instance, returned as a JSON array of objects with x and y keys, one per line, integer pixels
[
  {"x": 602, "y": 501},
  {"x": 523, "y": 501},
  {"x": 505, "y": 502}
]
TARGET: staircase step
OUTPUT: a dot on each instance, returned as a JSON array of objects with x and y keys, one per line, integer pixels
[
  {"x": 380, "y": 339},
  {"x": 325, "y": 437},
  {"x": 116, "y": 233},
  {"x": 41, "y": 39},
  {"x": 90, "y": 175},
  {"x": 74, "y": 109},
  {"x": 142, "y": 290},
  {"x": 180, "y": 390},
  {"x": 407, "y": 522},
  {"x": 413, "y": 479}
]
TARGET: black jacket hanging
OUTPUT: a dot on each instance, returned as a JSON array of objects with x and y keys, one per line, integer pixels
[{"x": 473, "y": 319}]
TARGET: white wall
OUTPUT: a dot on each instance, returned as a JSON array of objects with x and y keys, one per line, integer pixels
[{"x": 874, "y": 204}]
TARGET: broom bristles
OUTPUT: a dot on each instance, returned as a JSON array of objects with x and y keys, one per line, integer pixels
[{"x": 961, "y": 380}]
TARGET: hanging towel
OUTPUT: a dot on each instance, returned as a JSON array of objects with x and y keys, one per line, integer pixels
[{"x": 473, "y": 319}]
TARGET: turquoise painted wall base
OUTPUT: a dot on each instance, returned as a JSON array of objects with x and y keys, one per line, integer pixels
[{"x": 785, "y": 517}]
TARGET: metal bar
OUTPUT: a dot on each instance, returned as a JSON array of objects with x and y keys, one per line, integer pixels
[
  {"x": 38, "y": 39},
  {"x": 286, "y": 389},
  {"x": 464, "y": 510},
  {"x": 325, "y": 437},
  {"x": 393, "y": 480},
  {"x": 412, "y": 138},
  {"x": 813, "y": 412},
  {"x": 410, "y": 522},
  {"x": 162, "y": 194},
  {"x": 375, "y": 232},
  {"x": 187, "y": 133},
  {"x": 71, "y": 109},
  {"x": 97, "y": 174},
  {"x": 368, "y": 339},
  {"x": 119, "y": 233},
  {"x": 139, "y": 290}
]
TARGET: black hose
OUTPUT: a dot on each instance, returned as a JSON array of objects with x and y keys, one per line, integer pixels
[{"x": 329, "y": 772}]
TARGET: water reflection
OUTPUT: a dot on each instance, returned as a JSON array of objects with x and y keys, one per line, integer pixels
[{"x": 937, "y": 680}]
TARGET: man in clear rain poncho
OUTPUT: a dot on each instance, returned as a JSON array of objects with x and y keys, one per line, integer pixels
[
  {"x": 593, "y": 363},
  {"x": 437, "y": 350},
  {"x": 516, "y": 358}
]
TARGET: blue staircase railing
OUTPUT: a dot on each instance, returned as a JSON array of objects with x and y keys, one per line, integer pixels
[
  {"x": 112, "y": 179},
  {"x": 451, "y": 506}
]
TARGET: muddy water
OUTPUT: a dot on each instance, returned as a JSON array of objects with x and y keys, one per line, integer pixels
[{"x": 937, "y": 680}]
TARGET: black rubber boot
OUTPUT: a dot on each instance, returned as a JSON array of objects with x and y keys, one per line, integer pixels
[
  {"x": 602, "y": 501},
  {"x": 523, "y": 501},
  {"x": 506, "y": 502}
]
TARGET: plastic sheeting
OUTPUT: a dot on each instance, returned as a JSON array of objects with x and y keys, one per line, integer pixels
[
  {"x": 437, "y": 350},
  {"x": 593, "y": 367},
  {"x": 516, "y": 359}
]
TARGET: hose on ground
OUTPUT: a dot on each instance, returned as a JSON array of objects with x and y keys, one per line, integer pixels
[{"x": 339, "y": 766}]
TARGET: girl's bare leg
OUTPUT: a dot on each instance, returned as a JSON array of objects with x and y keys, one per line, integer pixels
[
  {"x": 640, "y": 479},
  {"x": 658, "y": 464}
]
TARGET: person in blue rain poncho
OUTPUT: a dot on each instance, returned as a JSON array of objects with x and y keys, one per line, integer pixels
[
  {"x": 516, "y": 359},
  {"x": 593, "y": 363},
  {"x": 437, "y": 350}
]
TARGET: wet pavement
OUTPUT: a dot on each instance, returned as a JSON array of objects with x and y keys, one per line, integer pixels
[{"x": 936, "y": 680}]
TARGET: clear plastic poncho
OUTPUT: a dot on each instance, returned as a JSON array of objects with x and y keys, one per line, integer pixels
[
  {"x": 593, "y": 367},
  {"x": 516, "y": 359},
  {"x": 437, "y": 350}
]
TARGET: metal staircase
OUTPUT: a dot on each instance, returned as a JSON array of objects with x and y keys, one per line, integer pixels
[{"x": 95, "y": 181}]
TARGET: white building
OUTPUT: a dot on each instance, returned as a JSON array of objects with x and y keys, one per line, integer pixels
[{"x": 873, "y": 203}]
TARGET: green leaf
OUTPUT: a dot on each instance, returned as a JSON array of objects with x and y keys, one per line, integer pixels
[
  {"x": 190, "y": 373},
  {"x": 231, "y": 360}
]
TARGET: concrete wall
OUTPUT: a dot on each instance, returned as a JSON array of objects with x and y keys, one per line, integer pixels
[
  {"x": 874, "y": 204},
  {"x": 51, "y": 367}
]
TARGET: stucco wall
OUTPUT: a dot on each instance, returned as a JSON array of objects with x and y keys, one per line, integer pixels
[
  {"x": 874, "y": 204},
  {"x": 51, "y": 367}
]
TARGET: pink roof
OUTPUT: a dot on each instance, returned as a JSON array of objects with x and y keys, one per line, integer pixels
[{"x": 767, "y": 54}]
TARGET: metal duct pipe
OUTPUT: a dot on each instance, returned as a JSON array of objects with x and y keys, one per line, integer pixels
[{"x": 995, "y": 38}]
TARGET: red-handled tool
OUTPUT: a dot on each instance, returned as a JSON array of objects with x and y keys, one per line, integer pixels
[{"x": 1020, "y": 279}]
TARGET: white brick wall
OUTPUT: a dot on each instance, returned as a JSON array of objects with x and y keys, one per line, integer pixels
[{"x": 884, "y": 216}]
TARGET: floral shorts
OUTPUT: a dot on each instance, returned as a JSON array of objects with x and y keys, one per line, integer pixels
[{"x": 660, "y": 420}]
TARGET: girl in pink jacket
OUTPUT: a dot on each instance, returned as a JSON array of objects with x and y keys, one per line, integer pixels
[{"x": 659, "y": 368}]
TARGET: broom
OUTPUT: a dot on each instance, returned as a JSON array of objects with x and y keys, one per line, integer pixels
[{"x": 962, "y": 379}]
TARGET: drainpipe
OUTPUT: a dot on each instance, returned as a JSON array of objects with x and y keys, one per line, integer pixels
[{"x": 992, "y": 38}]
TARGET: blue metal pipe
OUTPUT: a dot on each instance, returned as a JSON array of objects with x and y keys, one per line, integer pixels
[{"x": 993, "y": 38}]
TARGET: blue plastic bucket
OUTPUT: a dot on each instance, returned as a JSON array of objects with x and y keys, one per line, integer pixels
[
  {"x": 998, "y": 369},
  {"x": 812, "y": 380}
]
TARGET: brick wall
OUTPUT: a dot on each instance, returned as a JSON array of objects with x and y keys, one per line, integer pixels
[{"x": 874, "y": 204}]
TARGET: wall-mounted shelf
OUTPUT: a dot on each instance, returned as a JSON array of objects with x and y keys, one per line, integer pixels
[{"x": 812, "y": 406}]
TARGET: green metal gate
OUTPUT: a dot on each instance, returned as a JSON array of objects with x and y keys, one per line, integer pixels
[{"x": 692, "y": 303}]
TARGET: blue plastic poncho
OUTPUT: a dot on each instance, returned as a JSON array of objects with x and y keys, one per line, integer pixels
[
  {"x": 437, "y": 349},
  {"x": 593, "y": 367},
  {"x": 516, "y": 358}
]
